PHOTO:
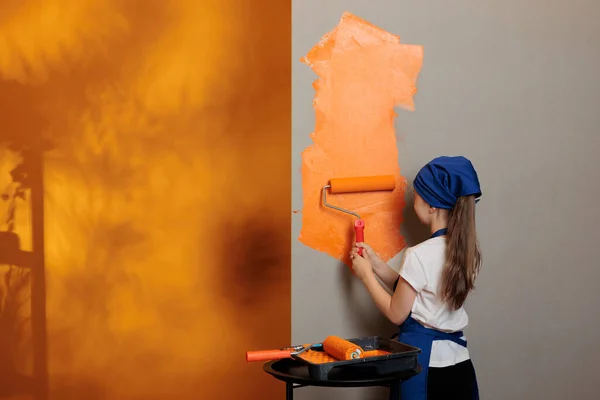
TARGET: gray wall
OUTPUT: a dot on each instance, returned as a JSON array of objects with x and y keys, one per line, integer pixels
[{"x": 515, "y": 86}]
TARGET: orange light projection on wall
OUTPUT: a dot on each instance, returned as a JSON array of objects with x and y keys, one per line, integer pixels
[
  {"x": 363, "y": 73},
  {"x": 162, "y": 130}
]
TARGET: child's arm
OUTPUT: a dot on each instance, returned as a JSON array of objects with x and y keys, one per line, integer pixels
[
  {"x": 383, "y": 271},
  {"x": 396, "y": 307},
  {"x": 386, "y": 274}
]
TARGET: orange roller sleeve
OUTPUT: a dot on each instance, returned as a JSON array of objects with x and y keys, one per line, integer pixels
[
  {"x": 363, "y": 184},
  {"x": 341, "y": 349}
]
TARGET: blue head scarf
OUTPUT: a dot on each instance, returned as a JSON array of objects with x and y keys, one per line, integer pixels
[{"x": 444, "y": 179}]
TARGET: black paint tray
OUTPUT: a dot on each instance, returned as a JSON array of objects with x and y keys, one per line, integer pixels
[{"x": 401, "y": 358}]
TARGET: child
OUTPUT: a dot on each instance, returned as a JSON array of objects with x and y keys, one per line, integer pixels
[{"x": 434, "y": 281}]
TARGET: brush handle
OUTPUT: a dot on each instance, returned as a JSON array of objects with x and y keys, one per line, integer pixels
[
  {"x": 267, "y": 355},
  {"x": 359, "y": 227}
]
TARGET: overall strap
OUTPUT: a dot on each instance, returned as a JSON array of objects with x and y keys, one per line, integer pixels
[{"x": 439, "y": 232}]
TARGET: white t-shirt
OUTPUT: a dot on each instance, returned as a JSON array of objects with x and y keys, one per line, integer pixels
[{"x": 422, "y": 269}]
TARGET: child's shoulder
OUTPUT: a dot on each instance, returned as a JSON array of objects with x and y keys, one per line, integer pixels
[{"x": 428, "y": 246}]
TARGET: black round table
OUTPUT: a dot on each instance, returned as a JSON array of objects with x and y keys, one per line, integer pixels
[{"x": 295, "y": 375}]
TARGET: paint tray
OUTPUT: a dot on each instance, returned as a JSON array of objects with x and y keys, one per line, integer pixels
[{"x": 383, "y": 357}]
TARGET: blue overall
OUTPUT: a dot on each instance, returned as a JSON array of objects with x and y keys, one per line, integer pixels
[{"x": 415, "y": 334}]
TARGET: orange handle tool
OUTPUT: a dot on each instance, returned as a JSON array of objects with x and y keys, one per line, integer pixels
[
  {"x": 267, "y": 355},
  {"x": 287, "y": 352}
]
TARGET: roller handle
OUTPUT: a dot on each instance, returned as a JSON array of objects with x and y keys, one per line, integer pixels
[
  {"x": 267, "y": 355},
  {"x": 359, "y": 227}
]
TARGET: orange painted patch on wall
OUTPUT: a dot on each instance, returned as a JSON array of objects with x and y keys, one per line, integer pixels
[{"x": 364, "y": 72}]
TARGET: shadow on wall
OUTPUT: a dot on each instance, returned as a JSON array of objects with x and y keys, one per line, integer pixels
[
  {"x": 22, "y": 305},
  {"x": 14, "y": 329},
  {"x": 167, "y": 224}
]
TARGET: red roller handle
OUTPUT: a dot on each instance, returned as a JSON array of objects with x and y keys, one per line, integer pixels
[
  {"x": 359, "y": 227},
  {"x": 267, "y": 355}
]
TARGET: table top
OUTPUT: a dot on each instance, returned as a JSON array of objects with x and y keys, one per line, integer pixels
[{"x": 294, "y": 371}]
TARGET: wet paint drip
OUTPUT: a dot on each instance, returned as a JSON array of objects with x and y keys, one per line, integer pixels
[{"x": 364, "y": 72}]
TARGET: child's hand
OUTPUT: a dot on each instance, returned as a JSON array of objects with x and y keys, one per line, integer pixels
[
  {"x": 361, "y": 266},
  {"x": 370, "y": 255}
]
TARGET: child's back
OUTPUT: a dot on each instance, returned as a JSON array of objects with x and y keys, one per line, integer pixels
[
  {"x": 422, "y": 269},
  {"x": 434, "y": 281}
]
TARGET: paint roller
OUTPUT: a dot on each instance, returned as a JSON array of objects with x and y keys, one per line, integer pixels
[
  {"x": 358, "y": 185},
  {"x": 335, "y": 346}
]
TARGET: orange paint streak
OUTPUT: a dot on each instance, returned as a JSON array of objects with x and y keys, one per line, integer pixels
[
  {"x": 317, "y": 357},
  {"x": 363, "y": 73},
  {"x": 166, "y": 225}
]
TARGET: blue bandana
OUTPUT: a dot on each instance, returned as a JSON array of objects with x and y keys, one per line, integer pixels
[{"x": 444, "y": 179}]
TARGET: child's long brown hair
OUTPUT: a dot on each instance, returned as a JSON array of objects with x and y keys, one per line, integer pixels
[{"x": 463, "y": 257}]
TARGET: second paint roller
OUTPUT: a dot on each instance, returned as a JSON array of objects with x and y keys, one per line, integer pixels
[{"x": 358, "y": 185}]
